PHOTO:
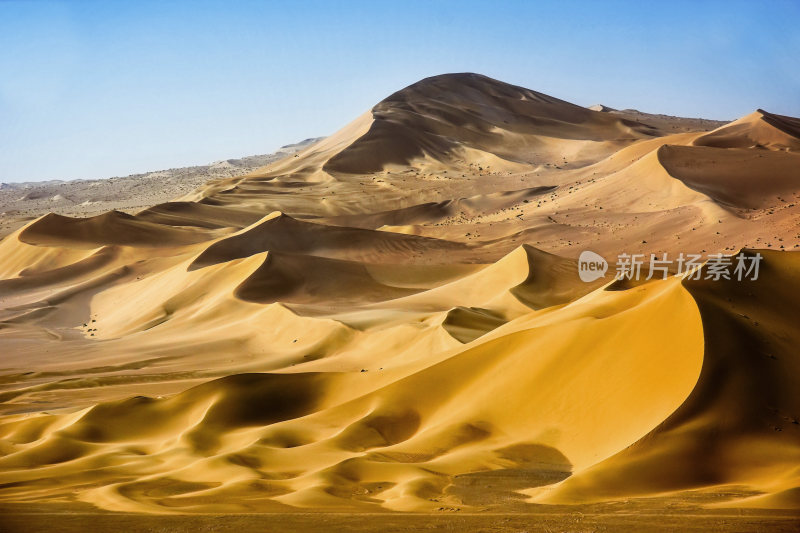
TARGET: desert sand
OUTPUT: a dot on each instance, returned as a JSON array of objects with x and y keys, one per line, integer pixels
[{"x": 390, "y": 320}]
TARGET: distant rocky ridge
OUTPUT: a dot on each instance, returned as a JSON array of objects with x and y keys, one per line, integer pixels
[
  {"x": 21, "y": 202},
  {"x": 667, "y": 123}
]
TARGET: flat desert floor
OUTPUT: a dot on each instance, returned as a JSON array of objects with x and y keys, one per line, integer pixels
[
  {"x": 74, "y": 518},
  {"x": 387, "y": 330}
]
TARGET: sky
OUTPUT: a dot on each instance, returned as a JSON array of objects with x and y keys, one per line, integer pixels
[{"x": 101, "y": 89}]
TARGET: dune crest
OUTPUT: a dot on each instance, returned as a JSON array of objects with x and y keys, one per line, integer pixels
[{"x": 759, "y": 129}]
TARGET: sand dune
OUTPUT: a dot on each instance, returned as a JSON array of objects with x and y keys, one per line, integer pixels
[
  {"x": 475, "y": 112},
  {"x": 735, "y": 177},
  {"x": 447, "y": 210},
  {"x": 759, "y": 129},
  {"x": 111, "y": 228},
  {"x": 278, "y": 232},
  {"x": 392, "y": 319},
  {"x": 738, "y": 424},
  {"x": 415, "y": 427},
  {"x": 302, "y": 279}
]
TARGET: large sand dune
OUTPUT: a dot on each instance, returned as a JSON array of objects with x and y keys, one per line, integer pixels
[{"x": 392, "y": 319}]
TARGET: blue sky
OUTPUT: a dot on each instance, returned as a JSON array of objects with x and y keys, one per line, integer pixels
[{"x": 91, "y": 89}]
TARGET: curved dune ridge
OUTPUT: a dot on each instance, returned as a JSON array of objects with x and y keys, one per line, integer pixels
[
  {"x": 759, "y": 129},
  {"x": 393, "y": 319},
  {"x": 111, "y": 228},
  {"x": 278, "y": 232}
]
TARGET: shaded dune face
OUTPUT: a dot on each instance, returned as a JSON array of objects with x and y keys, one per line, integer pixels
[
  {"x": 393, "y": 319},
  {"x": 756, "y": 130},
  {"x": 735, "y": 178},
  {"x": 740, "y": 419},
  {"x": 301, "y": 279},
  {"x": 237, "y": 401},
  {"x": 281, "y": 233}
]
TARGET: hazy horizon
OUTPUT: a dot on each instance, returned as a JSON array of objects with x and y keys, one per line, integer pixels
[{"x": 91, "y": 90}]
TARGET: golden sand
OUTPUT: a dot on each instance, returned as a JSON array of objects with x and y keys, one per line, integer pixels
[{"x": 392, "y": 319}]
